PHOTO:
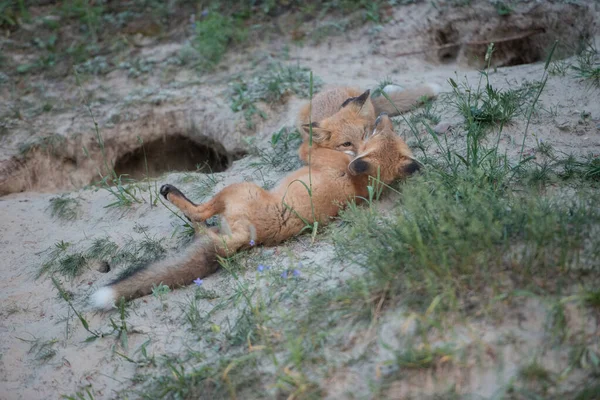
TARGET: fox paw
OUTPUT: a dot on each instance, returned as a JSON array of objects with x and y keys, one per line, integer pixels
[{"x": 166, "y": 189}]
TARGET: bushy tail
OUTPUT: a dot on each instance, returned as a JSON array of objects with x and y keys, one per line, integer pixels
[
  {"x": 404, "y": 99},
  {"x": 197, "y": 262}
]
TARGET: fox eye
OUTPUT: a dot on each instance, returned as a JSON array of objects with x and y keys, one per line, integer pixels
[{"x": 347, "y": 144}]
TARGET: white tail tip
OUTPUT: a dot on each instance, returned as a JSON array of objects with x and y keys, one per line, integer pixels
[
  {"x": 103, "y": 298},
  {"x": 392, "y": 88},
  {"x": 435, "y": 88}
]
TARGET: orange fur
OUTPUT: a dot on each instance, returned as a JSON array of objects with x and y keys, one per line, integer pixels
[
  {"x": 341, "y": 117},
  {"x": 249, "y": 212}
]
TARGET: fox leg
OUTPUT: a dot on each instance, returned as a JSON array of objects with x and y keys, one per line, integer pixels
[
  {"x": 232, "y": 237},
  {"x": 194, "y": 212}
]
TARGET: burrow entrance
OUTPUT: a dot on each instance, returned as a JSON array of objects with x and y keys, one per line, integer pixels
[
  {"x": 520, "y": 36},
  {"x": 173, "y": 153}
]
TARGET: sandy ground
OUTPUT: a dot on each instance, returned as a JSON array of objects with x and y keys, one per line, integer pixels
[{"x": 30, "y": 309}]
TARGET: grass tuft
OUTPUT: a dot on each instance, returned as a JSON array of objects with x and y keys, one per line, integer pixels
[
  {"x": 588, "y": 66},
  {"x": 64, "y": 207},
  {"x": 214, "y": 34},
  {"x": 272, "y": 86}
]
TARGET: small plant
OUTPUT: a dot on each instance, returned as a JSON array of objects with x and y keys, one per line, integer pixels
[
  {"x": 64, "y": 207},
  {"x": 67, "y": 298},
  {"x": 281, "y": 154},
  {"x": 42, "y": 350},
  {"x": 588, "y": 66},
  {"x": 72, "y": 265},
  {"x": 423, "y": 357},
  {"x": 271, "y": 87},
  {"x": 121, "y": 327},
  {"x": 535, "y": 372},
  {"x": 214, "y": 34},
  {"x": 559, "y": 68},
  {"x": 160, "y": 292},
  {"x": 59, "y": 260},
  {"x": 51, "y": 144}
]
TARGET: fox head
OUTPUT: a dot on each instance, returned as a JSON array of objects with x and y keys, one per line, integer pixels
[
  {"x": 385, "y": 153},
  {"x": 344, "y": 130}
]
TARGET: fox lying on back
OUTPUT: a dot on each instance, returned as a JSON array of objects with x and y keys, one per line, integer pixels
[{"x": 250, "y": 213}]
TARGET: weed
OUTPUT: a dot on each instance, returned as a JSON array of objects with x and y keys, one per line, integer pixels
[
  {"x": 51, "y": 144},
  {"x": 11, "y": 11},
  {"x": 534, "y": 371},
  {"x": 121, "y": 327},
  {"x": 590, "y": 392},
  {"x": 271, "y": 87},
  {"x": 559, "y": 68},
  {"x": 558, "y": 322},
  {"x": 134, "y": 255},
  {"x": 591, "y": 298},
  {"x": 381, "y": 85},
  {"x": 192, "y": 313},
  {"x": 54, "y": 253},
  {"x": 67, "y": 298},
  {"x": 42, "y": 350},
  {"x": 281, "y": 154},
  {"x": 160, "y": 292},
  {"x": 60, "y": 261},
  {"x": 423, "y": 357},
  {"x": 214, "y": 34},
  {"x": 588, "y": 66},
  {"x": 206, "y": 184},
  {"x": 87, "y": 12},
  {"x": 64, "y": 207},
  {"x": 87, "y": 395},
  {"x": 72, "y": 265},
  {"x": 425, "y": 114},
  {"x": 102, "y": 249},
  {"x": 446, "y": 231}
]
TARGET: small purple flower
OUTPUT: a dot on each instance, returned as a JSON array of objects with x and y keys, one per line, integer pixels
[
  {"x": 252, "y": 242},
  {"x": 198, "y": 281},
  {"x": 296, "y": 272},
  {"x": 204, "y": 12},
  {"x": 284, "y": 274},
  {"x": 261, "y": 268}
]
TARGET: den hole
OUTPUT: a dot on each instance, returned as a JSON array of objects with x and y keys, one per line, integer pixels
[
  {"x": 446, "y": 38},
  {"x": 173, "y": 153}
]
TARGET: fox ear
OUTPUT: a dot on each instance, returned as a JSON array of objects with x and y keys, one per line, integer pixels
[
  {"x": 318, "y": 134},
  {"x": 382, "y": 123},
  {"x": 357, "y": 103}
]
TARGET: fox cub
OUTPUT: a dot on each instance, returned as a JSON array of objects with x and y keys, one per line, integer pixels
[
  {"x": 341, "y": 117},
  {"x": 251, "y": 214}
]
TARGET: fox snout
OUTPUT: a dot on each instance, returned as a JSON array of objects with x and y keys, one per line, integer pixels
[
  {"x": 358, "y": 166},
  {"x": 413, "y": 167}
]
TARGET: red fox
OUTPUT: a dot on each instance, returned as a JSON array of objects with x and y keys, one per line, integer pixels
[
  {"x": 250, "y": 213},
  {"x": 342, "y": 116}
]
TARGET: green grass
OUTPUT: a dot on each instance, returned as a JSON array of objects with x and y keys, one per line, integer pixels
[
  {"x": 272, "y": 86},
  {"x": 50, "y": 144},
  {"x": 588, "y": 66},
  {"x": 42, "y": 351},
  {"x": 281, "y": 154},
  {"x": 70, "y": 260},
  {"x": 65, "y": 208},
  {"x": 214, "y": 34}
]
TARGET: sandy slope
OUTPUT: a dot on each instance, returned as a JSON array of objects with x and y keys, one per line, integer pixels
[{"x": 31, "y": 308}]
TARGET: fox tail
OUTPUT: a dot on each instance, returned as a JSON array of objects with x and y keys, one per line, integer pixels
[
  {"x": 403, "y": 99},
  {"x": 197, "y": 262}
]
